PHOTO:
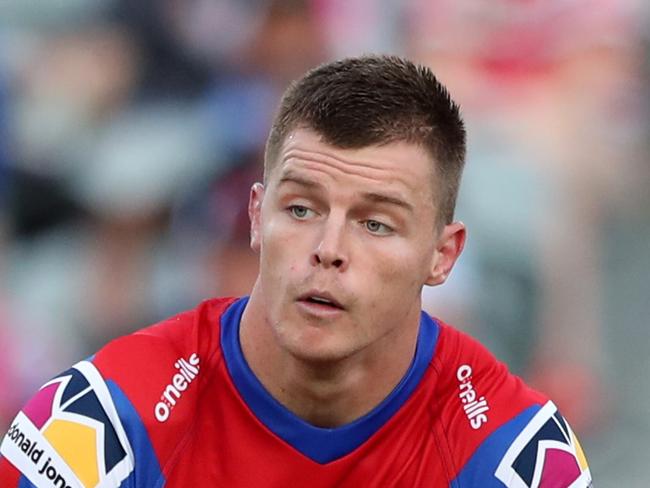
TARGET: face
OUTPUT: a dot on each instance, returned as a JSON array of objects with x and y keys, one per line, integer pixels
[{"x": 347, "y": 238}]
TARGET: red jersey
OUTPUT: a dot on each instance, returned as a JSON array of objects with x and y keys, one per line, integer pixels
[{"x": 176, "y": 405}]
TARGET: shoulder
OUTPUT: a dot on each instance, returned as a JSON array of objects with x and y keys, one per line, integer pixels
[
  {"x": 158, "y": 371},
  {"x": 497, "y": 428},
  {"x": 478, "y": 393},
  {"x": 140, "y": 358},
  {"x": 132, "y": 400},
  {"x": 70, "y": 432}
]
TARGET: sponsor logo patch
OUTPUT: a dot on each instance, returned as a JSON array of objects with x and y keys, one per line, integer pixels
[
  {"x": 545, "y": 454},
  {"x": 69, "y": 434}
]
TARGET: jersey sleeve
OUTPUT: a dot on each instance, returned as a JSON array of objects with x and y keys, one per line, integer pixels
[
  {"x": 500, "y": 432},
  {"x": 119, "y": 419},
  {"x": 69, "y": 434}
]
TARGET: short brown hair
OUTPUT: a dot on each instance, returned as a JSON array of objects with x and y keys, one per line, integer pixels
[{"x": 372, "y": 100}]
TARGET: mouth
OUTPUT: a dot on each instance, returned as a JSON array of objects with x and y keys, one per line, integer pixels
[{"x": 321, "y": 299}]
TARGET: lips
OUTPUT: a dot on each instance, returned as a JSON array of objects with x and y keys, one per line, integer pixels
[{"x": 321, "y": 298}]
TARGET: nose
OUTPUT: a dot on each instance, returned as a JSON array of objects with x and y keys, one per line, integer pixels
[{"x": 331, "y": 251}]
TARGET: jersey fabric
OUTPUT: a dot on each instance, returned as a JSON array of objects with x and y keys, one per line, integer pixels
[{"x": 176, "y": 405}]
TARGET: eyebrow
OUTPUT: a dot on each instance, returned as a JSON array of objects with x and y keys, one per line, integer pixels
[
  {"x": 382, "y": 198},
  {"x": 291, "y": 177}
]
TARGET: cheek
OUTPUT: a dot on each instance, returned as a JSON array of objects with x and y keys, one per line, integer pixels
[
  {"x": 402, "y": 261},
  {"x": 279, "y": 253},
  {"x": 398, "y": 270}
]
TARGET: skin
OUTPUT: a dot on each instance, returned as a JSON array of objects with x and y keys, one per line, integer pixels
[{"x": 356, "y": 225}]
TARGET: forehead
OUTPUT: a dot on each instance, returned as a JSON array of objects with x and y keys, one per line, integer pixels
[{"x": 402, "y": 166}]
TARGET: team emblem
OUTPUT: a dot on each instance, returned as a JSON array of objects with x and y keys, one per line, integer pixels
[
  {"x": 545, "y": 454},
  {"x": 69, "y": 434}
]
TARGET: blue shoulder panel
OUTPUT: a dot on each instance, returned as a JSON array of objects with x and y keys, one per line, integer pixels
[
  {"x": 147, "y": 470},
  {"x": 481, "y": 467}
]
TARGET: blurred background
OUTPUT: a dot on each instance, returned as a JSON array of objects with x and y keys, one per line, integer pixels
[{"x": 130, "y": 133}]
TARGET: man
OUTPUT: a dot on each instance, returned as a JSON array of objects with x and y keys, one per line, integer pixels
[{"x": 328, "y": 375}]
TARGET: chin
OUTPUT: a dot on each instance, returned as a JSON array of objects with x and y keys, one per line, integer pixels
[
  {"x": 323, "y": 357},
  {"x": 315, "y": 348}
]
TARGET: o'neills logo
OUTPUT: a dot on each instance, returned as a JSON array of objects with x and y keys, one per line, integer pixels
[
  {"x": 30, "y": 448},
  {"x": 475, "y": 408},
  {"x": 188, "y": 369}
]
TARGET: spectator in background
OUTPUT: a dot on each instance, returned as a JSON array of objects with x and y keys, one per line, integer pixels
[
  {"x": 230, "y": 266},
  {"x": 545, "y": 105}
]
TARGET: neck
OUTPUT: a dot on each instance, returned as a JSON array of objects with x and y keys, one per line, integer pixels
[{"x": 326, "y": 393}]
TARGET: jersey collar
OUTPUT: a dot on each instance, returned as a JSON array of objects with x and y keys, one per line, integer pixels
[{"x": 322, "y": 445}]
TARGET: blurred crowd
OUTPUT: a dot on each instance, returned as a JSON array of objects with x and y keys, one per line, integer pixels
[{"x": 130, "y": 133}]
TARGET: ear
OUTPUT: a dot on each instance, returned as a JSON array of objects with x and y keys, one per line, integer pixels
[
  {"x": 255, "y": 215},
  {"x": 449, "y": 246}
]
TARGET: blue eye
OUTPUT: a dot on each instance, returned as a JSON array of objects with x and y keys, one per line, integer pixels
[
  {"x": 299, "y": 212},
  {"x": 376, "y": 227}
]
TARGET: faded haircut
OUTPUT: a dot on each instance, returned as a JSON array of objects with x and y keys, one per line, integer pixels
[{"x": 375, "y": 100}]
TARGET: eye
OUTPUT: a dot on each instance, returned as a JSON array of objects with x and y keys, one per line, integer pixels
[
  {"x": 375, "y": 227},
  {"x": 300, "y": 212}
]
